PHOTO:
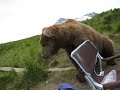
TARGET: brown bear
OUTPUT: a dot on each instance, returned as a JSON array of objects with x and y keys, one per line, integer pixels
[{"x": 69, "y": 35}]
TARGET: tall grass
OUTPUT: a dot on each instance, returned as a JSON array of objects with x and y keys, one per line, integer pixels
[
  {"x": 32, "y": 76},
  {"x": 6, "y": 78},
  {"x": 16, "y": 53}
]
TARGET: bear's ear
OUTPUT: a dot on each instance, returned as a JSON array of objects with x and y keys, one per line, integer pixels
[
  {"x": 43, "y": 29},
  {"x": 51, "y": 32},
  {"x": 47, "y": 33}
]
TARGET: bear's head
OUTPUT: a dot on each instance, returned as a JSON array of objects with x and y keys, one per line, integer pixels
[
  {"x": 57, "y": 36},
  {"x": 50, "y": 42}
]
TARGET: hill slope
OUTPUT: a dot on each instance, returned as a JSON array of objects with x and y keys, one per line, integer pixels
[
  {"x": 108, "y": 21},
  {"x": 17, "y": 53}
]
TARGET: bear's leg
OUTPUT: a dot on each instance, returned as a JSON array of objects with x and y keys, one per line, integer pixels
[
  {"x": 108, "y": 51},
  {"x": 80, "y": 77}
]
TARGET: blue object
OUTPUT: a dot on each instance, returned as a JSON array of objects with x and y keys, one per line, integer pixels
[{"x": 65, "y": 86}]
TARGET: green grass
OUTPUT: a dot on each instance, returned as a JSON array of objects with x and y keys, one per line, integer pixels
[
  {"x": 17, "y": 53},
  {"x": 6, "y": 78},
  {"x": 32, "y": 76},
  {"x": 108, "y": 21}
]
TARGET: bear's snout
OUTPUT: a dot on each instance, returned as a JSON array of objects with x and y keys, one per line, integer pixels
[
  {"x": 42, "y": 56},
  {"x": 45, "y": 56}
]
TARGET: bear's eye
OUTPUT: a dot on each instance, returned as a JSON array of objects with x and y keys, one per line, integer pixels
[{"x": 43, "y": 44}]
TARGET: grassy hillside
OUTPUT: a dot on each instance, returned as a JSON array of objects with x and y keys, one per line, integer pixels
[
  {"x": 108, "y": 21},
  {"x": 17, "y": 53}
]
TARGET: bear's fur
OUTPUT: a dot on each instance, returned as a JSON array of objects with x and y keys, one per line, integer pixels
[{"x": 69, "y": 35}]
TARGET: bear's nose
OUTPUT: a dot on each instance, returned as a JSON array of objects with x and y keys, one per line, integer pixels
[{"x": 43, "y": 56}]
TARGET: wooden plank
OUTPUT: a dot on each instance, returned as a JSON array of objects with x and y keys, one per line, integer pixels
[{"x": 7, "y": 69}]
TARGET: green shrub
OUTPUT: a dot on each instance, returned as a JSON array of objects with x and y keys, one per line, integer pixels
[
  {"x": 32, "y": 76},
  {"x": 6, "y": 78}
]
